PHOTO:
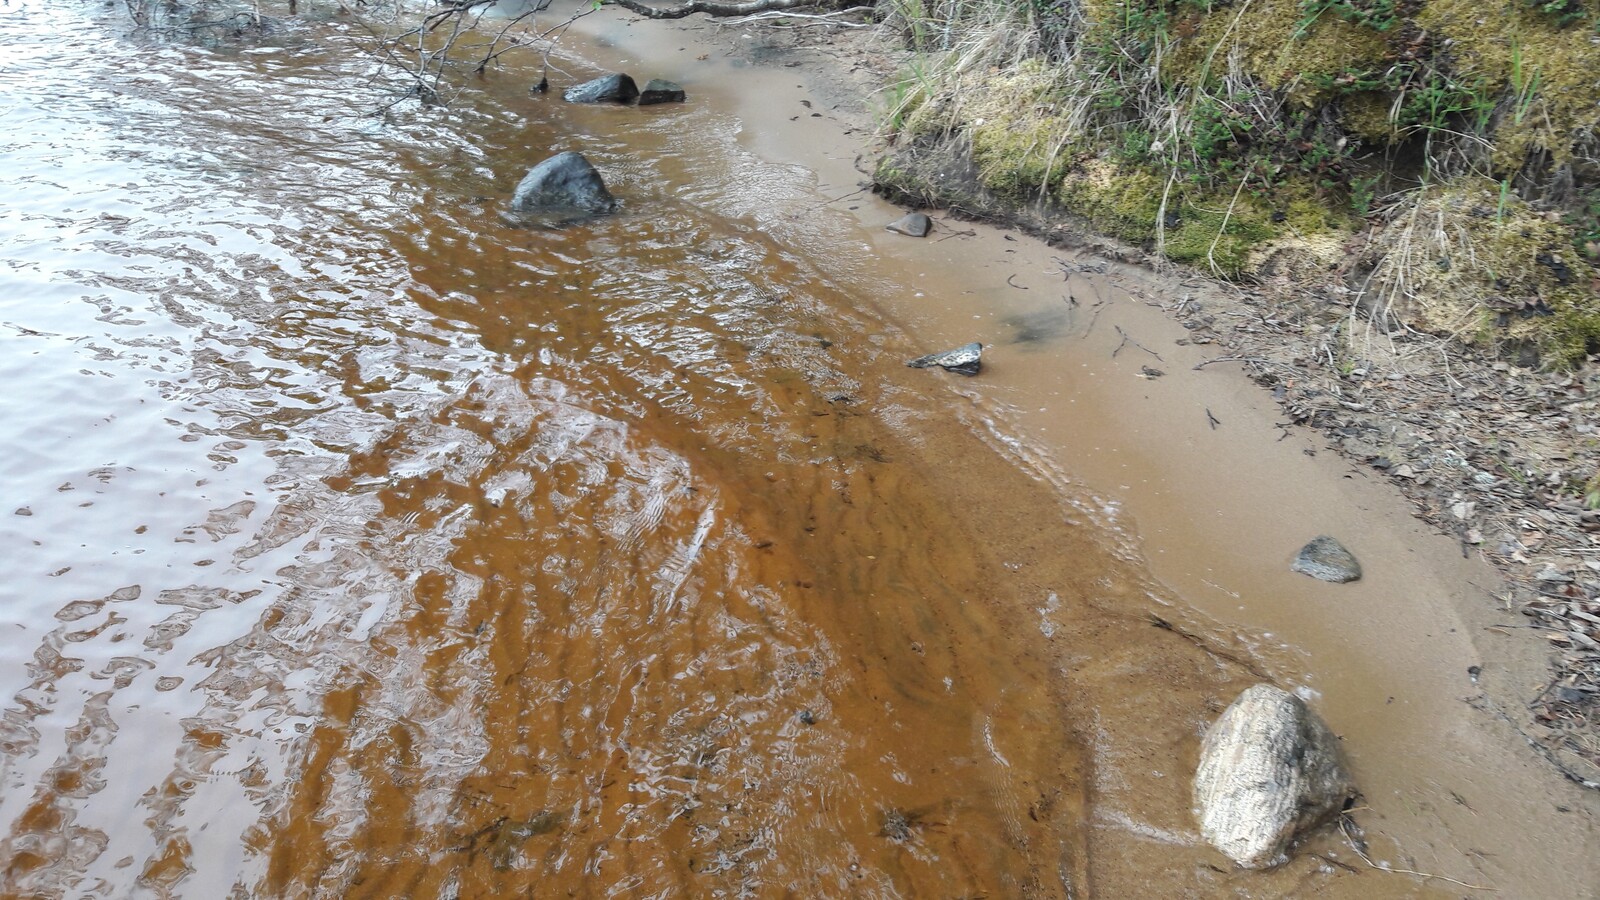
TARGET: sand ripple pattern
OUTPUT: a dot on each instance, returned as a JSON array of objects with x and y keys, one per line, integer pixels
[{"x": 364, "y": 547}]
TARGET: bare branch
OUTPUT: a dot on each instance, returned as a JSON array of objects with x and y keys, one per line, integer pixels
[{"x": 709, "y": 7}]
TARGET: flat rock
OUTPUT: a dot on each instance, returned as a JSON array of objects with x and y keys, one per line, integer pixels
[
  {"x": 913, "y": 224},
  {"x": 660, "y": 90},
  {"x": 565, "y": 185},
  {"x": 614, "y": 88},
  {"x": 1269, "y": 770},
  {"x": 966, "y": 359},
  {"x": 1328, "y": 560}
]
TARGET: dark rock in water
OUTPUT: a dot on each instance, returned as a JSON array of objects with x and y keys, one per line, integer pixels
[
  {"x": 1327, "y": 559},
  {"x": 543, "y": 87},
  {"x": 660, "y": 90},
  {"x": 618, "y": 88},
  {"x": 563, "y": 185},
  {"x": 914, "y": 224},
  {"x": 965, "y": 360},
  {"x": 1269, "y": 769}
]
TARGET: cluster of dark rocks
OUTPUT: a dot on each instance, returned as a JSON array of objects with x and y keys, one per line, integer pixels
[
  {"x": 567, "y": 188},
  {"x": 619, "y": 87}
]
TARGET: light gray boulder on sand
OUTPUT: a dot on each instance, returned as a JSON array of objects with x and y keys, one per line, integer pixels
[
  {"x": 1327, "y": 559},
  {"x": 914, "y": 224},
  {"x": 1269, "y": 769}
]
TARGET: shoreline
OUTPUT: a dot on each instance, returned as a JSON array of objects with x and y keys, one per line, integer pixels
[
  {"x": 714, "y": 593},
  {"x": 1418, "y": 413},
  {"x": 1488, "y": 674}
]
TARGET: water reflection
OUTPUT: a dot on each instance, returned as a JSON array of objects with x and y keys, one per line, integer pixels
[{"x": 367, "y": 547}]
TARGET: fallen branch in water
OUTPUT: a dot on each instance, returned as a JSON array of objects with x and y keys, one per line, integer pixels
[
  {"x": 709, "y": 7},
  {"x": 779, "y": 19},
  {"x": 428, "y": 50}
]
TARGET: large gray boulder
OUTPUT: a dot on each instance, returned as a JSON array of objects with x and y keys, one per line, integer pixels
[
  {"x": 1269, "y": 769},
  {"x": 563, "y": 185}
]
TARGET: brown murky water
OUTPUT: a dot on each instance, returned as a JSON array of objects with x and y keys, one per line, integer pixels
[{"x": 361, "y": 546}]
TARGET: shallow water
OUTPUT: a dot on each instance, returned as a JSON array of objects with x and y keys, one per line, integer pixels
[{"x": 364, "y": 546}]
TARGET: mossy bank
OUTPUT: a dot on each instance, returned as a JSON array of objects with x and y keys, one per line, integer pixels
[{"x": 1426, "y": 164}]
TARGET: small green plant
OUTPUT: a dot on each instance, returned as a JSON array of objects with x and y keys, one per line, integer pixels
[
  {"x": 1363, "y": 193},
  {"x": 1565, "y": 12},
  {"x": 1379, "y": 15},
  {"x": 1134, "y": 145},
  {"x": 1354, "y": 81},
  {"x": 1216, "y": 130},
  {"x": 1525, "y": 82},
  {"x": 907, "y": 93},
  {"x": 1436, "y": 102}
]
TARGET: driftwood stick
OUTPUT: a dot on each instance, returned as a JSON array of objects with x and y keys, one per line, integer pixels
[
  {"x": 1128, "y": 339},
  {"x": 1223, "y": 359},
  {"x": 709, "y": 7}
]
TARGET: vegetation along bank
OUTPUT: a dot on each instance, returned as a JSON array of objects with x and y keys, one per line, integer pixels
[{"x": 1401, "y": 199}]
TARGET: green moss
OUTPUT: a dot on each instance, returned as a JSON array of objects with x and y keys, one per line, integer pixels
[
  {"x": 1123, "y": 201},
  {"x": 1020, "y": 144},
  {"x": 1574, "y": 328},
  {"x": 1278, "y": 47},
  {"x": 901, "y": 185},
  {"x": 1212, "y": 237},
  {"x": 1489, "y": 268},
  {"x": 1020, "y": 160},
  {"x": 1368, "y": 115},
  {"x": 1550, "y": 75},
  {"x": 1306, "y": 211}
]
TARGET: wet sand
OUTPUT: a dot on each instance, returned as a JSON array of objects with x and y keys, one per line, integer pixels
[
  {"x": 1213, "y": 490},
  {"x": 373, "y": 549}
]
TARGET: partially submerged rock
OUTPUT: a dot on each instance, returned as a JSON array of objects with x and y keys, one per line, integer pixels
[
  {"x": 1327, "y": 559},
  {"x": 660, "y": 90},
  {"x": 614, "y": 88},
  {"x": 565, "y": 185},
  {"x": 965, "y": 360},
  {"x": 913, "y": 224},
  {"x": 1269, "y": 770}
]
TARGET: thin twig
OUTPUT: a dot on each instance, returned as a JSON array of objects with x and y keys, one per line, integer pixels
[
  {"x": 1098, "y": 308},
  {"x": 1128, "y": 339},
  {"x": 1222, "y": 359},
  {"x": 1356, "y": 846},
  {"x": 710, "y": 7},
  {"x": 779, "y": 19}
]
